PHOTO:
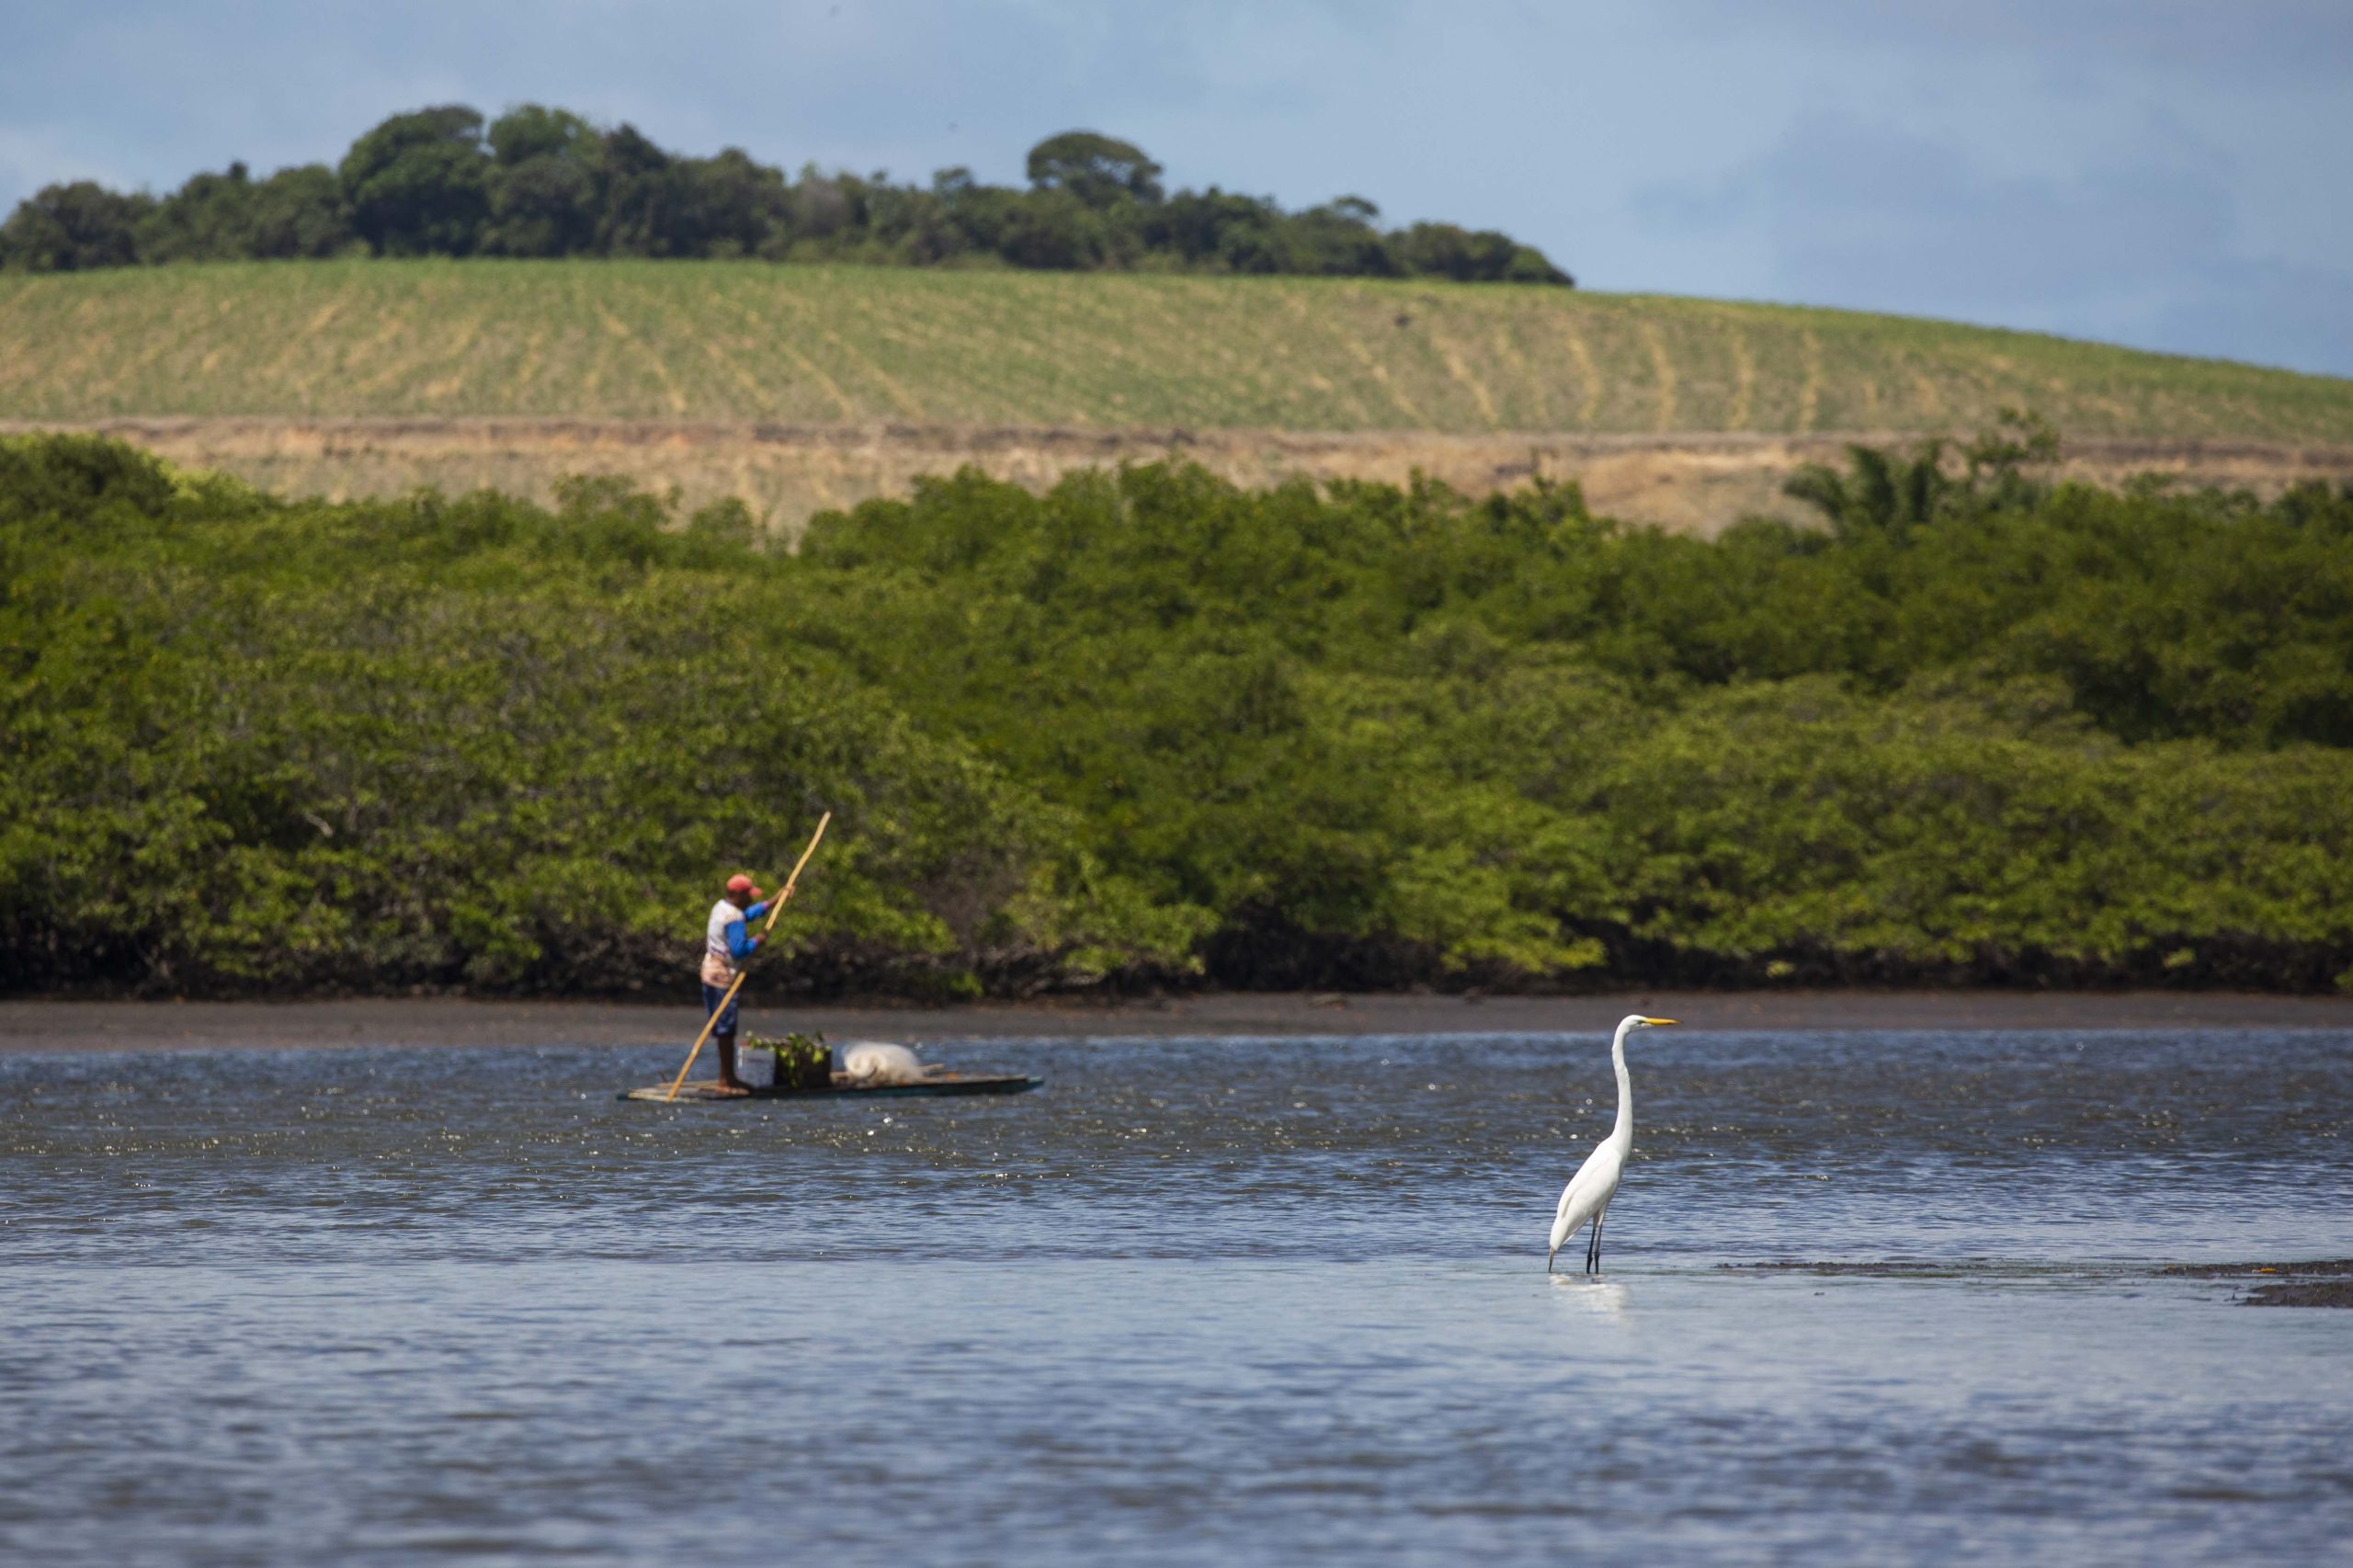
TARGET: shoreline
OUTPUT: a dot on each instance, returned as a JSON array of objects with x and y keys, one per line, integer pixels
[{"x": 28, "y": 1027}]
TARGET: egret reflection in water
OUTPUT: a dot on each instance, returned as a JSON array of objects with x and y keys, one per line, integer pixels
[{"x": 1602, "y": 1298}]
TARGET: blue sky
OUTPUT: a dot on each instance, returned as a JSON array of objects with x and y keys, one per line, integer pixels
[{"x": 2170, "y": 173}]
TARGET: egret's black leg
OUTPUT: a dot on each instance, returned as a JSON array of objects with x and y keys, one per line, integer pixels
[{"x": 1597, "y": 1219}]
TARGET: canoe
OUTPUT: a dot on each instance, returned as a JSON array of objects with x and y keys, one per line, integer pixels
[{"x": 936, "y": 1080}]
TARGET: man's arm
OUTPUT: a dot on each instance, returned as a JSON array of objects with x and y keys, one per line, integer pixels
[{"x": 741, "y": 943}]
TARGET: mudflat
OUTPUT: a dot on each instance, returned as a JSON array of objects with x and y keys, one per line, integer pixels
[{"x": 451, "y": 1022}]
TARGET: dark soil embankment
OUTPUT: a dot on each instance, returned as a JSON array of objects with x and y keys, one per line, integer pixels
[
  {"x": 448, "y": 1021},
  {"x": 2322, "y": 1284},
  {"x": 1692, "y": 481}
]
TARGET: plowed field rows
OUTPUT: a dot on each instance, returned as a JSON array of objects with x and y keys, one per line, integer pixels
[{"x": 723, "y": 341}]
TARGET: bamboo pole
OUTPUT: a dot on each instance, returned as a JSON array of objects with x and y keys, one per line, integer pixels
[{"x": 774, "y": 910}]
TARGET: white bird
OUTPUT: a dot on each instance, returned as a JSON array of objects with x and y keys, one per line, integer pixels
[{"x": 1589, "y": 1191}]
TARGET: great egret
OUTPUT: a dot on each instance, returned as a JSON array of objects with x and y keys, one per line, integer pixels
[{"x": 1589, "y": 1191}]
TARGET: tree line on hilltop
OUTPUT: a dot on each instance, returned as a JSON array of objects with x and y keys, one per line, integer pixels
[
  {"x": 1152, "y": 729},
  {"x": 546, "y": 182}
]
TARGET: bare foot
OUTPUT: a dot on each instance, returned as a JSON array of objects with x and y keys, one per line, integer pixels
[{"x": 731, "y": 1090}]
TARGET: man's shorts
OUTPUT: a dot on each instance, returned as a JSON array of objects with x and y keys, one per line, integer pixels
[{"x": 712, "y": 995}]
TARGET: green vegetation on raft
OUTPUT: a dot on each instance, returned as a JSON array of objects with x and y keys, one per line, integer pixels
[
  {"x": 1152, "y": 728},
  {"x": 743, "y": 341}
]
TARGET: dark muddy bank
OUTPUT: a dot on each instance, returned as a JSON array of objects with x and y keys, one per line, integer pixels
[{"x": 443, "y": 1022}]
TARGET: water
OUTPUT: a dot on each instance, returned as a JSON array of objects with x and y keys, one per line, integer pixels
[{"x": 1193, "y": 1301}]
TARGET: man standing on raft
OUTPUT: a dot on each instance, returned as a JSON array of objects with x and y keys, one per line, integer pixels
[{"x": 727, "y": 942}]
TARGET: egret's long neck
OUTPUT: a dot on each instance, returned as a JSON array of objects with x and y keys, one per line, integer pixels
[{"x": 1623, "y": 1132}]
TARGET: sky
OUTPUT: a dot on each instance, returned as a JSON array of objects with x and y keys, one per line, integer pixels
[{"x": 2168, "y": 173}]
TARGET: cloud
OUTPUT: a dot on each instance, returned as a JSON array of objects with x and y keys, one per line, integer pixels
[
  {"x": 2265, "y": 311},
  {"x": 35, "y": 155},
  {"x": 2253, "y": 40},
  {"x": 1862, "y": 213},
  {"x": 1226, "y": 90}
]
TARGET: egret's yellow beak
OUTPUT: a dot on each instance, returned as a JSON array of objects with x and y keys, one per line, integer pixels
[{"x": 1658, "y": 1020}]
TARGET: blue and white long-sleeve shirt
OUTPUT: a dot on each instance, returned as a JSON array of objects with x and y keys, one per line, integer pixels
[{"x": 728, "y": 941}]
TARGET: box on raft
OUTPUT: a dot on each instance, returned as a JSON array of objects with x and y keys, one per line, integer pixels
[{"x": 797, "y": 1062}]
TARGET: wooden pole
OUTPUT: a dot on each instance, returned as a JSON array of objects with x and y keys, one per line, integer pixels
[{"x": 774, "y": 910}]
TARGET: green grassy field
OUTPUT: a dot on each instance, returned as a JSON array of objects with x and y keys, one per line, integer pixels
[{"x": 714, "y": 340}]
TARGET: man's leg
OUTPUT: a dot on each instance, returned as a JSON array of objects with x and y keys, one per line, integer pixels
[
  {"x": 726, "y": 1033},
  {"x": 722, "y": 1032}
]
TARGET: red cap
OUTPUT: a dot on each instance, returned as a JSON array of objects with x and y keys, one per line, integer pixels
[{"x": 742, "y": 884}]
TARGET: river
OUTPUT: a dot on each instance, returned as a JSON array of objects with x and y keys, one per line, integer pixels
[{"x": 1193, "y": 1301}]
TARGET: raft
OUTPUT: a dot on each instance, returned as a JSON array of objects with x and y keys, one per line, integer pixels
[{"x": 936, "y": 1080}]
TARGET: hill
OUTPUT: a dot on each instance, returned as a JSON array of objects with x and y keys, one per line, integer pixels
[
  {"x": 934, "y": 366},
  {"x": 651, "y": 340}
]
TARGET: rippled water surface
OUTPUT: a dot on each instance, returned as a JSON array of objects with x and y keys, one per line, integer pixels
[{"x": 1193, "y": 1301}]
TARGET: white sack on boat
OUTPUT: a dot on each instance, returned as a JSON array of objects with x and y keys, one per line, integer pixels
[{"x": 873, "y": 1062}]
